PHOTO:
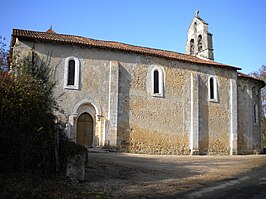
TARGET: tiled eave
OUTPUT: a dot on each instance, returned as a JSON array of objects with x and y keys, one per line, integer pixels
[
  {"x": 242, "y": 75},
  {"x": 88, "y": 42}
]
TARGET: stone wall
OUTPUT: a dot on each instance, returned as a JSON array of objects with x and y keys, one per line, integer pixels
[
  {"x": 249, "y": 131},
  {"x": 145, "y": 124},
  {"x": 150, "y": 124}
]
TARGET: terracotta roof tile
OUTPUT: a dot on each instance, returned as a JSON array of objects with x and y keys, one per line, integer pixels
[
  {"x": 50, "y": 30},
  {"x": 71, "y": 39}
]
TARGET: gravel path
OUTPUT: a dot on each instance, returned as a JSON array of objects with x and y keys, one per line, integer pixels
[{"x": 123, "y": 175}]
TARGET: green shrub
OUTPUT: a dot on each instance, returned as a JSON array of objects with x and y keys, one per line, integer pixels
[
  {"x": 27, "y": 119},
  {"x": 27, "y": 127}
]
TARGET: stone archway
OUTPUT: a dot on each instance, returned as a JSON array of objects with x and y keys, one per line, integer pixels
[{"x": 85, "y": 130}]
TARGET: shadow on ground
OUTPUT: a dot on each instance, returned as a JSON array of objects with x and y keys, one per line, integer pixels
[{"x": 122, "y": 175}]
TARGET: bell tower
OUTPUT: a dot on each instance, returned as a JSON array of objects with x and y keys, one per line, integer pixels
[{"x": 199, "y": 40}]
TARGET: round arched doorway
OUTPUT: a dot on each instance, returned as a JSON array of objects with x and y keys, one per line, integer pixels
[{"x": 85, "y": 130}]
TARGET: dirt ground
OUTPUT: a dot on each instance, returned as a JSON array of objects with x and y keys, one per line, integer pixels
[{"x": 124, "y": 175}]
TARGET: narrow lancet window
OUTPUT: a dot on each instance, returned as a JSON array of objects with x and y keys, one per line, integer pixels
[
  {"x": 155, "y": 82},
  {"x": 71, "y": 73},
  {"x": 212, "y": 89}
]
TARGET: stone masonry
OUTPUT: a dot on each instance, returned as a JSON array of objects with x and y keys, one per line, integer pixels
[{"x": 145, "y": 100}]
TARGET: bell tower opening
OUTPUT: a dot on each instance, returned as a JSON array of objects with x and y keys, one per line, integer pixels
[{"x": 199, "y": 40}]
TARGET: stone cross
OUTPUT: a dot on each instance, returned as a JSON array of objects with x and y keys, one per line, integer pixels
[{"x": 197, "y": 13}]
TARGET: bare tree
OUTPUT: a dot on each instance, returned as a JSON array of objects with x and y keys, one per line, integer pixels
[
  {"x": 261, "y": 74},
  {"x": 3, "y": 54}
]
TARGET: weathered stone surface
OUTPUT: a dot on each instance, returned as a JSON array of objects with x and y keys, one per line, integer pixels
[
  {"x": 143, "y": 141},
  {"x": 116, "y": 90},
  {"x": 249, "y": 134},
  {"x": 145, "y": 124},
  {"x": 76, "y": 167}
]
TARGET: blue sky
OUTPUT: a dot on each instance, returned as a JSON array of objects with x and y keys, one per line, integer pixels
[{"x": 238, "y": 26}]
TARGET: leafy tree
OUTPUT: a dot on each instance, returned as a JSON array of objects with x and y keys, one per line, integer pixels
[{"x": 261, "y": 74}]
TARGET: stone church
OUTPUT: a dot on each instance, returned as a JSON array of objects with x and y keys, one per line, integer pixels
[{"x": 146, "y": 100}]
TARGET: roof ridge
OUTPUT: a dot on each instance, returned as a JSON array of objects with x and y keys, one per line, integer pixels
[
  {"x": 35, "y": 31},
  {"x": 239, "y": 74},
  {"x": 75, "y": 39},
  {"x": 118, "y": 42}
]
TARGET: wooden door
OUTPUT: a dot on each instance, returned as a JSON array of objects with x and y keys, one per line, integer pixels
[{"x": 85, "y": 130}]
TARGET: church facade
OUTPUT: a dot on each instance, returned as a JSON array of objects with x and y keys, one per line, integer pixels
[{"x": 146, "y": 100}]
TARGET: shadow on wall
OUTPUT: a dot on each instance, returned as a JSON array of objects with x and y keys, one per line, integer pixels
[
  {"x": 123, "y": 129},
  {"x": 203, "y": 119},
  {"x": 241, "y": 125},
  {"x": 249, "y": 137}
]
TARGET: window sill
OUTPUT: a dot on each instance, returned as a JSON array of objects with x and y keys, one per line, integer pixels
[
  {"x": 213, "y": 100},
  {"x": 71, "y": 87},
  {"x": 157, "y": 95}
]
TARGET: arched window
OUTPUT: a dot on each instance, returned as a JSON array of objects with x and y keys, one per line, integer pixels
[
  {"x": 212, "y": 88},
  {"x": 156, "y": 82},
  {"x": 192, "y": 46},
  {"x": 157, "y": 77},
  {"x": 71, "y": 74},
  {"x": 199, "y": 43}
]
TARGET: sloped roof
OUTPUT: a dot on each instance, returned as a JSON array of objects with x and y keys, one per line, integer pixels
[
  {"x": 250, "y": 77},
  {"x": 78, "y": 40},
  {"x": 197, "y": 17}
]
